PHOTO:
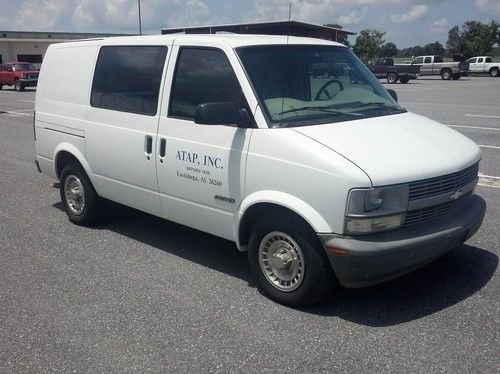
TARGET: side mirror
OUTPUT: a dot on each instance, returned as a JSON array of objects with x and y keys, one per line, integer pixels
[
  {"x": 221, "y": 113},
  {"x": 393, "y": 94}
]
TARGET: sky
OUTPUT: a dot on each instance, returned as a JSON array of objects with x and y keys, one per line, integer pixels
[{"x": 407, "y": 22}]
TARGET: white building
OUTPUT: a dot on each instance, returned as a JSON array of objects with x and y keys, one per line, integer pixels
[{"x": 30, "y": 46}]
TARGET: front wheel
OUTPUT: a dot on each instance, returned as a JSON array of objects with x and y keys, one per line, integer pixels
[
  {"x": 18, "y": 86},
  {"x": 494, "y": 72},
  {"x": 80, "y": 200},
  {"x": 288, "y": 263}
]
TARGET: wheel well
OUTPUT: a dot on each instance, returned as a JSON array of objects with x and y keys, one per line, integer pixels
[
  {"x": 445, "y": 69},
  {"x": 63, "y": 158},
  {"x": 494, "y": 68},
  {"x": 258, "y": 210}
]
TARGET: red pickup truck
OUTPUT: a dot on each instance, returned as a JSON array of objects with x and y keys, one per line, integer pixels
[{"x": 19, "y": 75}]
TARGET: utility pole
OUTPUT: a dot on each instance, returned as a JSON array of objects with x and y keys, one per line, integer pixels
[{"x": 140, "y": 26}]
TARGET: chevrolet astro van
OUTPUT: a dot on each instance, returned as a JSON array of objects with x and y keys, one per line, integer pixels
[{"x": 322, "y": 178}]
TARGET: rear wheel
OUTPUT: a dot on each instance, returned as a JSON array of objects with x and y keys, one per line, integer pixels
[
  {"x": 494, "y": 72},
  {"x": 446, "y": 74},
  {"x": 1, "y": 86},
  {"x": 80, "y": 200},
  {"x": 18, "y": 86},
  {"x": 392, "y": 78},
  {"x": 288, "y": 262}
]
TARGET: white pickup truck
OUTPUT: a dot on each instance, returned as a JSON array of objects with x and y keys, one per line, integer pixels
[{"x": 484, "y": 64}]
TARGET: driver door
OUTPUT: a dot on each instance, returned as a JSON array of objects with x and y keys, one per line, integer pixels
[{"x": 201, "y": 168}]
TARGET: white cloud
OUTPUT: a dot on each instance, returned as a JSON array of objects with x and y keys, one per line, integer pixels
[
  {"x": 488, "y": 6},
  {"x": 416, "y": 12},
  {"x": 352, "y": 18},
  {"x": 440, "y": 26}
]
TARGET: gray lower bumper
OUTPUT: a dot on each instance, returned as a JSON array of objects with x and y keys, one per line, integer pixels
[{"x": 380, "y": 257}]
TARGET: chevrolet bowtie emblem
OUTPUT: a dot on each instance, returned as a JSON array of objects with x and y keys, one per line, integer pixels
[{"x": 455, "y": 195}]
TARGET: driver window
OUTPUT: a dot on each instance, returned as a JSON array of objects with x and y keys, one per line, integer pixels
[{"x": 202, "y": 75}]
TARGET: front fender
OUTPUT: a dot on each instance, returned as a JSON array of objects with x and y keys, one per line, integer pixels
[{"x": 283, "y": 199}]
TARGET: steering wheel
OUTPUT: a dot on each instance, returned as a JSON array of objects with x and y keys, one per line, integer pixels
[{"x": 324, "y": 89}]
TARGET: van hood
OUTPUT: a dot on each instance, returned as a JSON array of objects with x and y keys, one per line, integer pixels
[{"x": 397, "y": 148}]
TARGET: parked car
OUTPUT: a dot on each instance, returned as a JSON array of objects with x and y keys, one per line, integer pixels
[
  {"x": 385, "y": 68},
  {"x": 19, "y": 75},
  {"x": 434, "y": 65},
  {"x": 484, "y": 64},
  {"x": 321, "y": 180}
]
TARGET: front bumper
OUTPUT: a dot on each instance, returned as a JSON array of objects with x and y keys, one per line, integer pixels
[
  {"x": 380, "y": 257},
  {"x": 29, "y": 82}
]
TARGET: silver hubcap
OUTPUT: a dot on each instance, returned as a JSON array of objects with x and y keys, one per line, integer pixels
[
  {"x": 74, "y": 194},
  {"x": 281, "y": 260}
]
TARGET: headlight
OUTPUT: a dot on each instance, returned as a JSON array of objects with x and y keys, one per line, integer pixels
[
  {"x": 23, "y": 76},
  {"x": 374, "y": 210}
]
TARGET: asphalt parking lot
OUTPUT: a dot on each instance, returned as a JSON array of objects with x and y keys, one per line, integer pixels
[{"x": 139, "y": 294}]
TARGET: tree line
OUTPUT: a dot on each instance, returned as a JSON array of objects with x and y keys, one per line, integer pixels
[{"x": 472, "y": 39}]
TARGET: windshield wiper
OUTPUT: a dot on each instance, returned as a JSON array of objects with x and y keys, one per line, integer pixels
[
  {"x": 378, "y": 106},
  {"x": 325, "y": 108}
]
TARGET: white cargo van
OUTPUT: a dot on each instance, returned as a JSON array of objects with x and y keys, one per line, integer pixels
[{"x": 322, "y": 178}]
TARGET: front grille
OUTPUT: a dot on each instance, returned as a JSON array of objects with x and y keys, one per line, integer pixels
[
  {"x": 414, "y": 217},
  {"x": 447, "y": 183}
]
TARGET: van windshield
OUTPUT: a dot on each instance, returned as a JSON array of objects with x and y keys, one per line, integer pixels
[{"x": 300, "y": 85}]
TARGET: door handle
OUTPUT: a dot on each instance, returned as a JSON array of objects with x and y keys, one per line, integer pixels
[
  {"x": 163, "y": 149},
  {"x": 148, "y": 146}
]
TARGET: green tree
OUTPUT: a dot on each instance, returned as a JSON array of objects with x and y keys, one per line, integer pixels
[
  {"x": 388, "y": 50},
  {"x": 435, "y": 48},
  {"x": 369, "y": 43},
  {"x": 341, "y": 38},
  {"x": 473, "y": 39}
]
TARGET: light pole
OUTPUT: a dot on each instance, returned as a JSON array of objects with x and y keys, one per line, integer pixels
[{"x": 139, "y": 7}]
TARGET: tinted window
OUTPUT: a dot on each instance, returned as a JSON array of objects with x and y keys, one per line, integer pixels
[
  {"x": 479, "y": 60},
  {"x": 34, "y": 59},
  {"x": 427, "y": 60},
  {"x": 472, "y": 60},
  {"x": 438, "y": 59},
  {"x": 418, "y": 60},
  {"x": 202, "y": 76},
  {"x": 128, "y": 78},
  {"x": 488, "y": 59}
]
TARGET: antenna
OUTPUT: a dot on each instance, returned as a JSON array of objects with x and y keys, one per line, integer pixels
[{"x": 289, "y": 11}]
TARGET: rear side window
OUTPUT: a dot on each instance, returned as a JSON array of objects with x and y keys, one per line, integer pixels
[
  {"x": 438, "y": 59},
  {"x": 202, "y": 76},
  {"x": 488, "y": 59},
  {"x": 127, "y": 78}
]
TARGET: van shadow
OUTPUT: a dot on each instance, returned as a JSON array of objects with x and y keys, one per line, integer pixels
[{"x": 445, "y": 282}]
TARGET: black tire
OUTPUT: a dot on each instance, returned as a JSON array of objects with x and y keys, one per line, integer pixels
[
  {"x": 1, "y": 86},
  {"x": 317, "y": 278},
  {"x": 392, "y": 78},
  {"x": 404, "y": 80},
  {"x": 18, "y": 86},
  {"x": 455, "y": 77},
  {"x": 93, "y": 205},
  {"x": 446, "y": 74},
  {"x": 494, "y": 72}
]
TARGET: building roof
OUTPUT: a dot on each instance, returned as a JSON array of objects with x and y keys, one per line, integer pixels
[
  {"x": 292, "y": 28},
  {"x": 50, "y": 36}
]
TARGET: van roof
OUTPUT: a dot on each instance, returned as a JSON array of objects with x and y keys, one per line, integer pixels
[{"x": 233, "y": 40}]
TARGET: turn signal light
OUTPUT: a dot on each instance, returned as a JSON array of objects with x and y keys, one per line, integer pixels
[{"x": 338, "y": 251}]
